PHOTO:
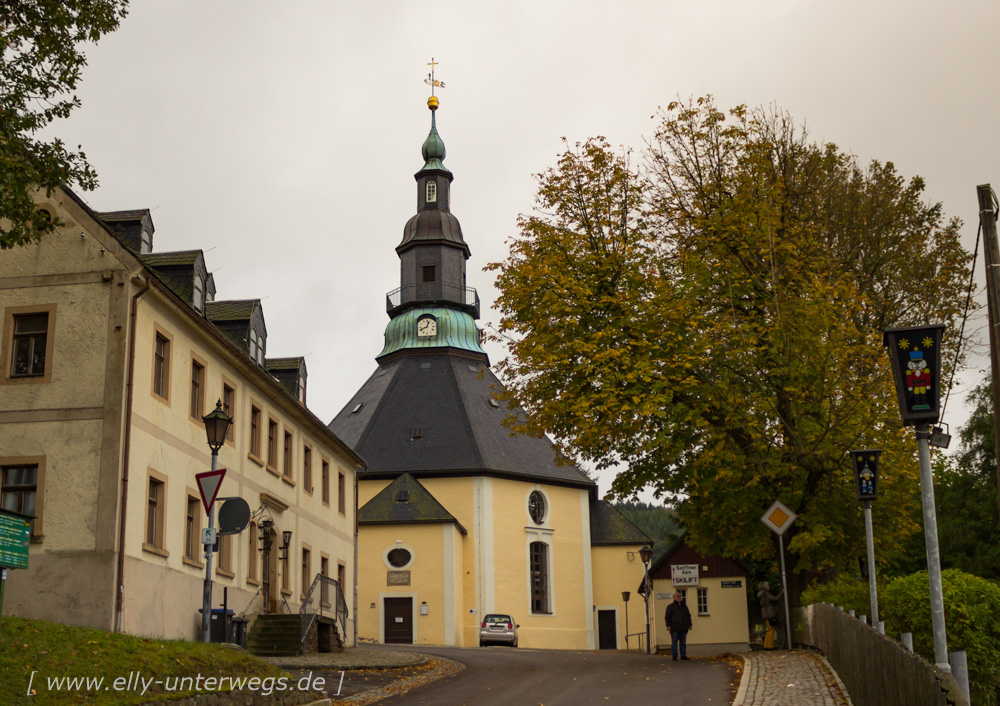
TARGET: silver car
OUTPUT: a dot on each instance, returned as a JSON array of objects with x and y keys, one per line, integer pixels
[{"x": 498, "y": 628}]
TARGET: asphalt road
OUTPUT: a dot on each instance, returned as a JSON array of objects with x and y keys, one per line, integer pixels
[{"x": 521, "y": 677}]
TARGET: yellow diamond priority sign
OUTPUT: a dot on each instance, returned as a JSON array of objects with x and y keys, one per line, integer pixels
[{"x": 778, "y": 517}]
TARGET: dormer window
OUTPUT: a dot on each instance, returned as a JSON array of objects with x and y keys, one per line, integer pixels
[
  {"x": 199, "y": 293},
  {"x": 260, "y": 350},
  {"x": 302, "y": 391},
  {"x": 146, "y": 242},
  {"x": 253, "y": 344},
  {"x": 432, "y": 192}
]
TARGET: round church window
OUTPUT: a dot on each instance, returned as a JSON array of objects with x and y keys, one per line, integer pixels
[
  {"x": 399, "y": 557},
  {"x": 536, "y": 507}
]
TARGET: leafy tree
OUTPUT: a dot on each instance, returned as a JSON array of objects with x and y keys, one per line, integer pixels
[
  {"x": 41, "y": 62},
  {"x": 712, "y": 321}
]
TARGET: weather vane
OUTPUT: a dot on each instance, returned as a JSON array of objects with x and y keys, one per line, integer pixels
[{"x": 430, "y": 80}]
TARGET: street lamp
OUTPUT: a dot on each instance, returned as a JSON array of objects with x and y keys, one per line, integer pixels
[
  {"x": 216, "y": 428},
  {"x": 286, "y": 541},
  {"x": 265, "y": 527},
  {"x": 865, "y": 464},
  {"x": 625, "y": 595},
  {"x": 646, "y": 553}
]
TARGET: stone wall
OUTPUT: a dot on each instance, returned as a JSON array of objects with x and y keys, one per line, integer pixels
[{"x": 877, "y": 670}]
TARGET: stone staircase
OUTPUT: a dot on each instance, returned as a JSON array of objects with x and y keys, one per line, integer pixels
[{"x": 275, "y": 635}]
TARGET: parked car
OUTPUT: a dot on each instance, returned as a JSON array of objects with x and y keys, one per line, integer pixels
[{"x": 498, "y": 628}]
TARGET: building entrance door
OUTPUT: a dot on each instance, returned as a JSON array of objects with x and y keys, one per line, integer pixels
[
  {"x": 398, "y": 621},
  {"x": 607, "y": 632}
]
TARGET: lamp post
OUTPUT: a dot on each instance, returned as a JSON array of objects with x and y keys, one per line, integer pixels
[
  {"x": 646, "y": 553},
  {"x": 915, "y": 354},
  {"x": 865, "y": 464},
  {"x": 216, "y": 428},
  {"x": 625, "y": 595},
  {"x": 265, "y": 527}
]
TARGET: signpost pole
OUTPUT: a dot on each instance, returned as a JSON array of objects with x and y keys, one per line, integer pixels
[
  {"x": 872, "y": 585},
  {"x": 784, "y": 589},
  {"x": 206, "y": 599},
  {"x": 933, "y": 550},
  {"x": 3, "y": 582}
]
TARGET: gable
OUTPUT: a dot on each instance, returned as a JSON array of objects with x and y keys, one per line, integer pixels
[{"x": 708, "y": 566}]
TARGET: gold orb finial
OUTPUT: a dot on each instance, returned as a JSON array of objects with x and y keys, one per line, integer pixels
[{"x": 432, "y": 103}]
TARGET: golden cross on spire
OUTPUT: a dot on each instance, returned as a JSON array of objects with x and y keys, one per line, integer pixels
[{"x": 430, "y": 77}]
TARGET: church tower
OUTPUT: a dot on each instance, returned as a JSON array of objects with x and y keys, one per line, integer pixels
[
  {"x": 432, "y": 307},
  {"x": 458, "y": 518}
]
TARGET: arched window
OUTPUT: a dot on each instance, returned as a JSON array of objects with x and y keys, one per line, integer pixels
[
  {"x": 538, "y": 556},
  {"x": 432, "y": 192}
]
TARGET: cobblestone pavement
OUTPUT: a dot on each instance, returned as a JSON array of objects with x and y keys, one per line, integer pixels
[{"x": 783, "y": 678}]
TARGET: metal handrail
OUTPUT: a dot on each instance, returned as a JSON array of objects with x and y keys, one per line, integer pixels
[
  {"x": 466, "y": 295},
  {"x": 314, "y": 603}
]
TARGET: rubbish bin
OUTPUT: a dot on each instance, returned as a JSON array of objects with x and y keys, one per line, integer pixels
[
  {"x": 238, "y": 631},
  {"x": 217, "y": 627}
]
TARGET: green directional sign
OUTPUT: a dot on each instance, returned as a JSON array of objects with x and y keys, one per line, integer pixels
[{"x": 15, "y": 534}]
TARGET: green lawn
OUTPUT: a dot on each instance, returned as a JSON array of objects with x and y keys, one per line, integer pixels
[{"x": 51, "y": 651}]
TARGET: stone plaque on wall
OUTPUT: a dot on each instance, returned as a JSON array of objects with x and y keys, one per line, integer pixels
[{"x": 397, "y": 578}]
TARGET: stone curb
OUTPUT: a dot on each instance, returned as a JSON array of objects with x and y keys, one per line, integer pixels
[
  {"x": 840, "y": 684},
  {"x": 446, "y": 668},
  {"x": 741, "y": 693},
  {"x": 415, "y": 661}
]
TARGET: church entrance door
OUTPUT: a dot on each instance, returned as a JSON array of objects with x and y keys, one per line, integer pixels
[
  {"x": 607, "y": 631},
  {"x": 398, "y": 621}
]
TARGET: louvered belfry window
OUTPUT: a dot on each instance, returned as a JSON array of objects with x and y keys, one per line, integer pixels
[{"x": 428, "y": 273}]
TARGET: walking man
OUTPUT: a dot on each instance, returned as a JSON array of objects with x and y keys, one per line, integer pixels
[{"x": 678, "y": 623}]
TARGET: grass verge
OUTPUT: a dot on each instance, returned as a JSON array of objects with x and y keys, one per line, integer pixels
[{"x": 34, "y": 654}]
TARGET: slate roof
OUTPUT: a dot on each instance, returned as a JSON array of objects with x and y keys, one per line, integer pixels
[
  {"x": 177, "y": 270},
  {"x": 419, "y": 507},
  {"x": 432, "y": 225},
  {"x": 608, "y": 526},
  {"x": 283, "y": 363},
  {"x": 235, "y": 310},
  {"x": 430, "y": 414},
  {"x": 171, "y": 259}
]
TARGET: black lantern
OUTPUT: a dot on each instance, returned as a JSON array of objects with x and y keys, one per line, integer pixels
[
  {"x": 916, "y": 366},
  {"x": 865, "y": 465},
  {"x": 646, "y": 553},
  {"x": 216, "y": 427},
  {"x": 625, "y": 595},
  {"x": 286, "y": 541}
]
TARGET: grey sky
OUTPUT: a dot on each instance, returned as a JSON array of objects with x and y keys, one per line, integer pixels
[{"x": 282, "y": 137}]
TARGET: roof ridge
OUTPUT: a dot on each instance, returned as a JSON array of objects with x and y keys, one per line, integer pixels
[
  {"x": 378, "y": 407},
  {"x": 465, "y": 412}
]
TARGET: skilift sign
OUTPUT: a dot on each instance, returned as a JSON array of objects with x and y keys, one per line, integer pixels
[{"x": 684, "y": 574}]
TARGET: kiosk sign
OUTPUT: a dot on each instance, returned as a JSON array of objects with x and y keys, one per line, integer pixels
[{"x": 15, "y": 534}]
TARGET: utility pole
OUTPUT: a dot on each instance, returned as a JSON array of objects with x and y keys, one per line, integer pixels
[{"x": 991, "y": 256}]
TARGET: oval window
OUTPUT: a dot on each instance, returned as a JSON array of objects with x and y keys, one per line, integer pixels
[
  {"x": 536, "y": 507},
  {"x": 398, "y": 557}
]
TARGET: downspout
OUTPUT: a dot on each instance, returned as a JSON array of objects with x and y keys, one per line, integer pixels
[
  {"x": 141, "y": 281},
  {"x": 357, "y": 469}
]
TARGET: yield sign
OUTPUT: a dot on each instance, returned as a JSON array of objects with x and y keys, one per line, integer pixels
[{"x": 209, "y": 483}]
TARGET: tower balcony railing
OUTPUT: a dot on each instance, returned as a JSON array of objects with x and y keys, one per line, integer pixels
[{"x": 436, "y": 292}]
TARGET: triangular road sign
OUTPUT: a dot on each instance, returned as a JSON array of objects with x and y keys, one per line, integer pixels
[{"x": 209, "y": 483}]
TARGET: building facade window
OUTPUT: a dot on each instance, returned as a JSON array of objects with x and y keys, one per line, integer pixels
[
  {"x": 228, "y": 406},
  {"x": 161, "y": 367},
  {"x": 341, "y": 493},
  {"x": 287, "y": 470},
  {"x": 255, "y": 420},
  {"x": 192, "y": 529},
  {"x": 286, "y": 576},
  {"x": 538, "y": 557},
  {"x": 197, "y": 390},
  {"x": 28, "y": 353},
  {"x": 536, "y": 507},
  {"x": 306, "y": 570},
  {"x": 272, "y": 444},
  {"x": 341, "y": 575},
  {"x": 225, "y": 563},
  {"x": 324, "y": 570},
  {"x": 19, "y": 490},
  {"x": 702, "y": 601},
  {"x": 325, "y": 482},
  {"x": 307, "y": 473},
  {"x": 156, "y": 508},
  {"x": 252, "y": 552},
  {"x": 432, "y": 191}
]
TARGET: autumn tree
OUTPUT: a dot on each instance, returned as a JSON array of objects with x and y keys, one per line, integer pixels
[
  {"x": 711, "y": 319},
  {"x": 41, "y": 61}
]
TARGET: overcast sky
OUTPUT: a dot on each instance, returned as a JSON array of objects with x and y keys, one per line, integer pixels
[{"x": 282, "y": 137}]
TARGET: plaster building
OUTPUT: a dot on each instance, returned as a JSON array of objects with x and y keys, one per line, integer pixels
[
  {"x": 714, "y": 589},
  {"x": 110, "y": 354},
  {"x": 460, "y": 518}
]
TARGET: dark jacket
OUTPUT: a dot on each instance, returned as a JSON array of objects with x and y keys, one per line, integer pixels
[{"x": 678, "y": 616}]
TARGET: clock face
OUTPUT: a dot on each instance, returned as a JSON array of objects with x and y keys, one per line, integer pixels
[{"x": 427, "y": 327}]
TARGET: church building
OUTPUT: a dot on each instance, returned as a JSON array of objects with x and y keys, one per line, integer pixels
[{"x": 458, "y": 517}]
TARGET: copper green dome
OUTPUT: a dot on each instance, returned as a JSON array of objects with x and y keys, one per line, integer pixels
[
  {"x": 433, "y": 150},
  {"x": 451, "y": 329}
]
